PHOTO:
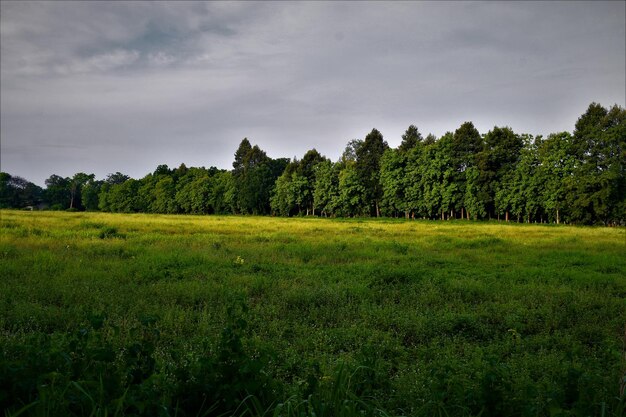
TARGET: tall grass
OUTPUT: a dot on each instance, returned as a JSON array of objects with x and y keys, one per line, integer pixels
[{"x": 104, "y": 314}]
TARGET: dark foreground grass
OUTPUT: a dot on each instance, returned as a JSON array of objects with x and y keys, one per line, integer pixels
[{"x": 105, "y": 315}]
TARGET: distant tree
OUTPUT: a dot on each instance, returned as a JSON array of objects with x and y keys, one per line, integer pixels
[
  {"x": 473, "y": 200},
  {"x": 222, "y": 197},
  {"x": 118, "y": 178},
  {"x": 57, "y": 192},
  {"x": 410, "y": 139},
  {"x": 76, "y": 184},
  {"x": 306, "y": 169},
  {"x": 165, "y": 196},
  {"x": 241, "y": 156},
  {"x": 351, "y": 192},
  {"x": 430, "y": 139},
  {"x": 597, "y": 188},
  {"x": 124, "y": 197},
  {"x": 351, "y": 150},
  {"x": 495, "y": 162},
  {"x": 326, "y": 191},
  {"x": 393, "y": 181},
  {"x": 17, "y": 192},
  {"x": 557, "y": 165},
  {"x": 90, "y": 194},
  {"x": 254, "y": 175},
  {"x": 465, "y": 146},
  {"x": 368, "y": 156}
]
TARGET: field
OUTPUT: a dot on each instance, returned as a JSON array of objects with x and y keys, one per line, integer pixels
[{"x": 110, "y": 314}]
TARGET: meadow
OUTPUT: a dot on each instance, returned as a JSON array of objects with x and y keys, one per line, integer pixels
[{"x": 162, "y": 315}]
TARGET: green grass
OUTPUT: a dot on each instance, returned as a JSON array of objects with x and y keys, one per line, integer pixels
[{"x": 104, "y": 314}]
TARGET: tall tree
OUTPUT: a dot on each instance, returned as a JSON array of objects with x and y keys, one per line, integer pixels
[
  {"x": 465, "y": 146},
  {"x": 17, "y": 192},
  {"x": 367, "y": 166},
  {"x": 350, "y": 200},
  {"x": 410, "y": 139},
  {"x": 326, "y": 191},
  {"x": 76, "y": 184},
  {"x": 57, "y": 192},
  {"x": 597, "y": 185},
  {"x": 495, "y": 162}
]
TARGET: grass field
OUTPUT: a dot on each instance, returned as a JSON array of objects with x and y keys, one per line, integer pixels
[{"x": 104, "y": 314}]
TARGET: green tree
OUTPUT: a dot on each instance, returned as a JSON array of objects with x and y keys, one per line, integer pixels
[
  {"x": 597, "y": 187},
  {"x": 16, "y": 192},
  {"x": 495, "y": 162},
  {"x": 393, "y": 181},
  {"x": 76, "y": 184},
  {"x": 464, "y": 148},
  {"x": 124, "y": 197},
  {"x": 410, "y": 139},
  {"x": 164, "y": 196},
  {"x": 326, "y": 191},
  {"x": 350, "y": 200},
  {"x": 306, "y": 170},
  {"x": 557, "y": 162},
  {"x": 57, "y": 192},
  {"x": 222, "y": 197},
  {"x": 368, "y": 156},
  {"x": 90, "y": 194}
]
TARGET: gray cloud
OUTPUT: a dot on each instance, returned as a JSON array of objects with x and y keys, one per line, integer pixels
[{"x": 108, "y": 86}]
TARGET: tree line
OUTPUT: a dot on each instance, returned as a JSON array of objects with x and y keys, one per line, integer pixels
[{"x": 577, "y": 178}]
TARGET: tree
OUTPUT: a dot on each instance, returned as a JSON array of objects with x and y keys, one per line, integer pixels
[
  {"x": 57, "y": 192},
  {"x": 465, "y": 146},
  {"x": 222, "y": 197},
  {"x": 557, "y": 165},
  {"x": 392, "y": 179},
  {"x": 350, "y": 200},
  {"x": 165, "y": 196},
  {"x": 90, "y": 194},
  {"x": 411, "y": 138},
  {"x": 597, "y": 187},
  {"x": 351, "y": 150},
  {"x": 17, "y": 192},
  {"x": 306, "y": 169},
  {"x": 368, "y": 156},
  {"x": 124, "y": 197},
  {"x": 248, "y": 172},
  {"x": 119, "y": 178},
  {"x": 495, "y": 162},
  {"x": 241, "y": 155},
  {"x": 326, "y": 191},
  {"x": 76, "y": 185}
]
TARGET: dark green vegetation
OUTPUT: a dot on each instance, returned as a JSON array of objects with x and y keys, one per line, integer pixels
[
  {"x": 105, "y": 314},
  {"x": 577, "y": 178}
]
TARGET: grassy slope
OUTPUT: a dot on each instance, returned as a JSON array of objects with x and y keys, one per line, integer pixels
[{"x": 443, "y": 314}]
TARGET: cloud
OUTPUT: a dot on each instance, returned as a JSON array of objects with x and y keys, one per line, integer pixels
[{"x": 185, "y": 82}]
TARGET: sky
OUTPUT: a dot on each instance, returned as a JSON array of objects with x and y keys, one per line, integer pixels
[{"x": 101, "y": 87}]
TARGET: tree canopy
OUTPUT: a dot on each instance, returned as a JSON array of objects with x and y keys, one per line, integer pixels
[{"x": 577, "y": 177}]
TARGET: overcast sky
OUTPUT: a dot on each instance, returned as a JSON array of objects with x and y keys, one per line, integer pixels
[{"x": 122, "y": 86}]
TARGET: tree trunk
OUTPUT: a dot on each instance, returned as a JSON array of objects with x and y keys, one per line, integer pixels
[
  {"x": 462, "y": 213},
  {"x": 507, "y": 216},
  {"x": 377, "y": 210},
  {"x": 557, "y": 216}
]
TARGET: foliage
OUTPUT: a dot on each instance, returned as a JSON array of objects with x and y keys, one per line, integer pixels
[{"x": 576, "y": 178}]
